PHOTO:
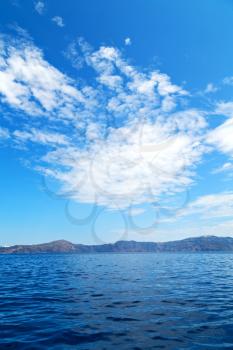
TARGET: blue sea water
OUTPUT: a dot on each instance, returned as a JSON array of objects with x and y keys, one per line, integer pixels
[{"x": 116, "y": 301}]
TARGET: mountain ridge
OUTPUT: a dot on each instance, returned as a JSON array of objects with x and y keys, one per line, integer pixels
[{"x": 191, "y": 244}]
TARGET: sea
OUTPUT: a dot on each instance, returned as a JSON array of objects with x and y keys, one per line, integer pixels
[{"x": 116, "y": 301}]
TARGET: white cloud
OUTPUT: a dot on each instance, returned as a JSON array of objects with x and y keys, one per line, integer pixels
[
  {"x": 4, "y": 133},
  {"x": 43, "y": 137},
  {"x": 228, "y": 80},
  {"x": 20, "y": 31},
  {"x": 136, "y": 211},
  {"x": 178, "y": 232},
  {"x": 228, "y": 166},
  {"x": 129, "y": 138},
  {"x": 59, "y": 21},
  {"x": 191, "y": 229},
  {"x": 40, "y": 7},
  {"x": 122, "y": 169},
  {"x": 225, "y": 108},
  {"x": 128, "y": 42},
  {"x": 221, "y": 137},
  {"x": 32, "y": 85},
  {"x": 218, "y": 205},
  {"x": 73, "y": 54},
  {"x": 210, "y": 88}
]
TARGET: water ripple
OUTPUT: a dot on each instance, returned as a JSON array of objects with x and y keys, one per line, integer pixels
[{"x": 116, "y": 301}]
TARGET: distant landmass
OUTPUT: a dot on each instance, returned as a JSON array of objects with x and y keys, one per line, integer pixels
[{"x": 197, "y": 244}]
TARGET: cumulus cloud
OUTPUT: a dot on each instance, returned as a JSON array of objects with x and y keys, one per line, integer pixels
[
  {"x": 59, "y": 21},
  {"x": 125, "y": 138},
  {"x": 117, "y": 171}
]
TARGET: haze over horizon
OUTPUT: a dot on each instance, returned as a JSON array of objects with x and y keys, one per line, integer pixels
[{"x": 115, "y": 132}]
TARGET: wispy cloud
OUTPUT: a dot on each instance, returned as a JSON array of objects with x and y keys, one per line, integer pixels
[
  {"x": 225, "y": 108},
  {"x": 40, "y": 7},
  {"x": 72, "y": 53},
  {"x": 128, "y": 42},
  {"x": 59, "y": 21},
  {"x": 136, "y": 211},
  {"x": 219, "y": 205},
  {"x": 39, "y": 136},
  {"x": 210, "y": 88},
  {"x": 30, "y": 84},
  {"x": 228, "y": 80},
  {"x": 4, "y": 133},
  {"x": 221, "y": 137},
  {"x": 226, "y": 167}
]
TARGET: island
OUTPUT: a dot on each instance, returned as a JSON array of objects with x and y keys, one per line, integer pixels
[{"x": 194, "y": 244}]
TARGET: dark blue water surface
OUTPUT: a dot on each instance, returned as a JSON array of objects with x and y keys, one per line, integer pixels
[{"x": 116, "y": 301}]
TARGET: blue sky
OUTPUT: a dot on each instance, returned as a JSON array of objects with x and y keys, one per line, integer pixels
[{"x": 116, "y": 120}]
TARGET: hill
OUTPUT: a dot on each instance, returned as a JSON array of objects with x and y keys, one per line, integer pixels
[{"x": 196, "y": 244}]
